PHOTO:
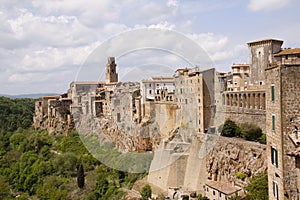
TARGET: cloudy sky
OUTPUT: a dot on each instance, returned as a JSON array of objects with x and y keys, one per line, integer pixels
[{"x": 43, "y": 43}]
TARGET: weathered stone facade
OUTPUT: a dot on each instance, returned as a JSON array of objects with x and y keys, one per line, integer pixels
[
  {"x": 282, "y": 122},
  {"x": 53, "y": 114}
]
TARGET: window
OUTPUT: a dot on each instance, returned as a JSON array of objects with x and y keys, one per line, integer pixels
[
  {"x": 186, "y": 101},
  {"x": 297, "y": 162},
  {"x": 150, "y": 85},
  {"x": 198, "y": 80},
  {"x": 198, "y": 89},
  {"x": 273, "y": 93},
  {"x": 150, "y": 91},
  {"x": 220, "y": 194},
  {"x": 118, "y": 117},
  {"x": 273, "y": 122},
  {"x": 191, "y": 81},
  {"x": 275, "y": 190},
  {"x": 274, "y": 156},
  {"x": 214, "y": 193}
]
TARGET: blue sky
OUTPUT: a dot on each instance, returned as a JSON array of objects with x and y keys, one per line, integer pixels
[{"x": 44, "y": 43}]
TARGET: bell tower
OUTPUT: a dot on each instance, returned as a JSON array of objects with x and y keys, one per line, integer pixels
[{"x": 111, "y": 72}]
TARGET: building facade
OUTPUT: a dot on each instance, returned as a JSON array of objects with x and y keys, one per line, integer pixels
[{"x": 282, "y": 122}]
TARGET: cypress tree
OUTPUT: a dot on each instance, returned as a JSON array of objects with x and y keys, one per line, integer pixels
[{"x": 80, "y": 176}]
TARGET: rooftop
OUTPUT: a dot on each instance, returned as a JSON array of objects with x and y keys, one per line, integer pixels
[
  {"x": 265, "y": 40},
  {"x": 223, "y": 187},
  {"x": 288, "y": 52}
]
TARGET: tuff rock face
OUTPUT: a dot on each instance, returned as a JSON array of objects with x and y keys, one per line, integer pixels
[{"x": 232, "y": 155}]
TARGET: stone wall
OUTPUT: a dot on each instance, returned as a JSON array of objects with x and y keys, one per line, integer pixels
[
  {"x": 208, "y": 157},
  {"x": 243, "y": 115}
]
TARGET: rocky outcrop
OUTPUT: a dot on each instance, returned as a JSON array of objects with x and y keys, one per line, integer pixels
[{"x": 232, "y": 155}]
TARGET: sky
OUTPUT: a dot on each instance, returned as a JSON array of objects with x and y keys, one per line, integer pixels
[{"x": 44, "y": 44}]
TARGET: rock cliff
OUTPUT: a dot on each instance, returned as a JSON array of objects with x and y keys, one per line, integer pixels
[{"x": 232, "y": 155}]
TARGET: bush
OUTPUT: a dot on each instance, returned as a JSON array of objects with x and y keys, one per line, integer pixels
[
  {"x": 229, "y": 129},
  {"x": 240, "y": 175},
  {"x": 258, "y": 187},
  {"x": 263, "y": 139},
  {"x": 251, "y": 131},
  {"x": 146, "y": 192},
  {"x": 201, "y": 197}
]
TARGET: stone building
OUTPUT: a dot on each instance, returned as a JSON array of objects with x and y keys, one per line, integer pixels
[
  {"x": 261, "y": 52},
  {"x": 221, "y": 190},
  {"x": 53, "y": 114},
  {"x": 282, "y": 122},
  {"x": 240, "y": 77},
  {"x": 195, "y": 97},
  {"x": 150, "y": 88},
  {"x": 111, "y": 71}
]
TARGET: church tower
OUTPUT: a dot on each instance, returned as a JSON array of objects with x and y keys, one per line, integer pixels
[{"x": 111, "y": 71}]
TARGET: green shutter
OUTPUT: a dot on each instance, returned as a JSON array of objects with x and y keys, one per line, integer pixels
[
  {"x": 273, "y": 123},
  {"x": 273, "y": 92}
]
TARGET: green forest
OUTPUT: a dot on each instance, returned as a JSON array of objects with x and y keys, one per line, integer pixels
[{"x": 34, "y": 165}]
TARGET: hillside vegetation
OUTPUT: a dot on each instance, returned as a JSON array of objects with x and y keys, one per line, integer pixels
[{"x": 35, "y": 165}]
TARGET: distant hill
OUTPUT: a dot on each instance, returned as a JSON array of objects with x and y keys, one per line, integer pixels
[{"x": 32, "y": 96}]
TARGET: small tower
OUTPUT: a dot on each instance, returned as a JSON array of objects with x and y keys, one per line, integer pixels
[
  {"x": 111, "y": 72},
  {"x": 261, "y": 57}
]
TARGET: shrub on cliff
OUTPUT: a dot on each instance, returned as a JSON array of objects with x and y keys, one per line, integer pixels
[
  {"x": 263, "y": 139},
  {"x": 229, "y": 129},
  {"x": 146, "y": 192},
  {"x": 251, "y": 131}
]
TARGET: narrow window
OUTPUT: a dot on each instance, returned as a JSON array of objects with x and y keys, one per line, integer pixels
[
  {"x": 273, "y": 122},
  {"x": 198, "y": 80},
  {"x": 214, "y": 193},
  {"x": 150, "y": 91},
  {"x": 275, "y": 190},
  {"x": 297, "y": 162},
  {"x": 273, "y": 92},
  {"x": 274, "y": 156}
]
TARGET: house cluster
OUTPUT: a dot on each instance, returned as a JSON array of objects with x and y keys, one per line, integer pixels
[{"x": 265, "y": 92}]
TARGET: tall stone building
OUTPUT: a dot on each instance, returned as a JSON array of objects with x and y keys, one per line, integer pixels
[
  {"x": 282, "y": 122},
  {"x": 111, "y": 71},
  {"x": 261, "y": 52}
]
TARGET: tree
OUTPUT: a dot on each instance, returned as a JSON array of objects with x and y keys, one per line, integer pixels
[
  {"x": 235, "y": 197},
  {"x": 258, "y": 187},
  {"x": 251, "y": 131},
  {"x": 146, "y": 192},
  {"x": 229, "y": 129},
  {"x": 80, "y": 176}
]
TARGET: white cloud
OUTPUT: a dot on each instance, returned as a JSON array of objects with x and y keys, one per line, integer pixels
[
  {"x": 258, "y": 5},
  {"x": 209, "y": 41}
]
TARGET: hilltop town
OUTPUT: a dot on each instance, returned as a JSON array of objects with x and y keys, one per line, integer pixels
[{"x": 178, "y": 117}]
